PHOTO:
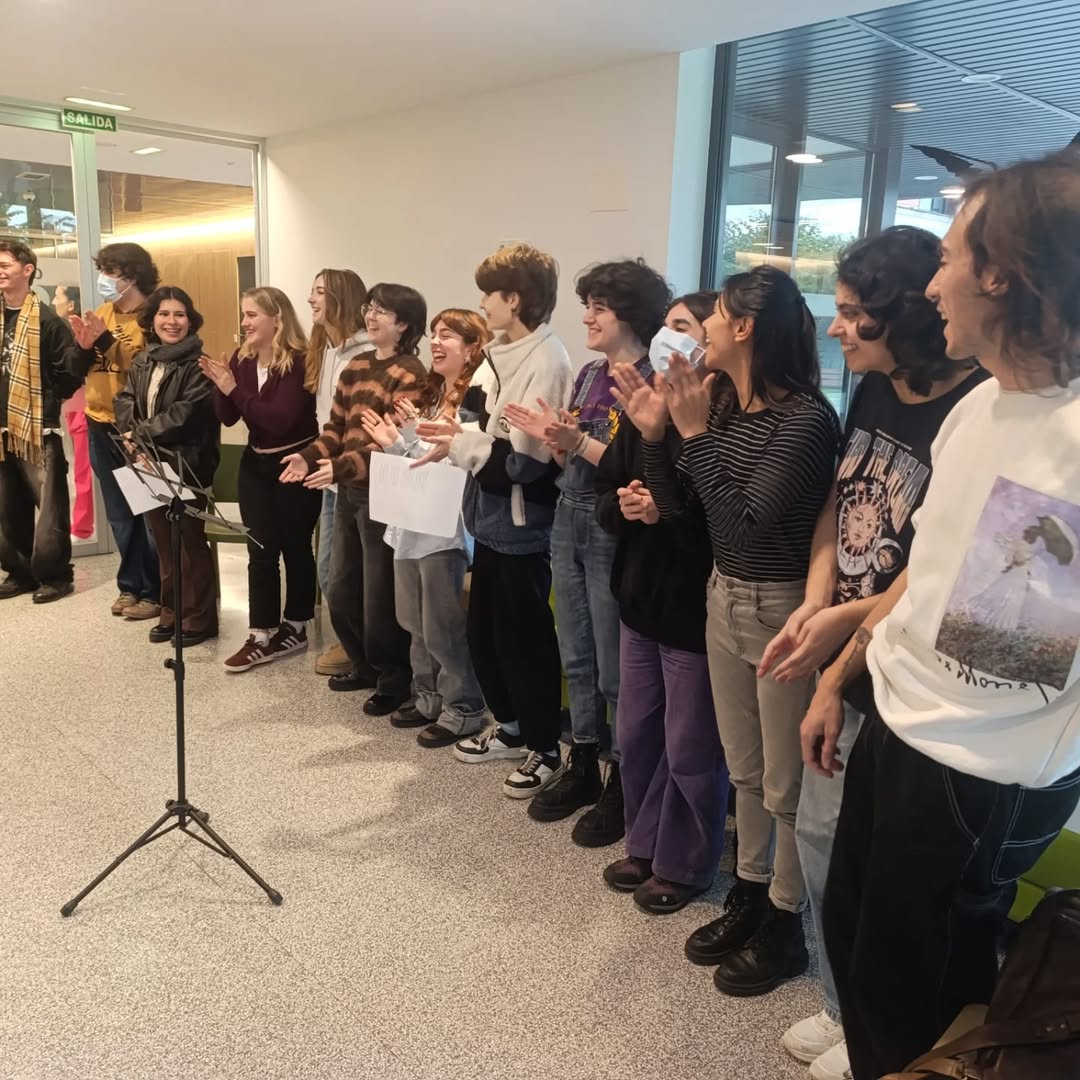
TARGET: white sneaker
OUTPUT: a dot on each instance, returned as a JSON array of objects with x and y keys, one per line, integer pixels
[
  {"x": 807, "y": 1040},
  {"x": 491, "y": 745},
  {"x": 537, "y": 773},
  {"x": 832, "y": 1065}
]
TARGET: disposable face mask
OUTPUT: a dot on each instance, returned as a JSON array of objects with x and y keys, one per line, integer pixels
[
  {"x": 669, "y": 341},
  {"x": 108, "y": 288}
]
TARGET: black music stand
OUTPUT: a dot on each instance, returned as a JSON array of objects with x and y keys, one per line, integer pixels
[{"x": 180, "y": 814}]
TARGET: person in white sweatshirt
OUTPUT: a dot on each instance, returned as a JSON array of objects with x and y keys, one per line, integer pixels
[
  {"x": 509, "y": 508},
  {"x": 968, "y": 764},
  {"x": 336, "y": 301}
]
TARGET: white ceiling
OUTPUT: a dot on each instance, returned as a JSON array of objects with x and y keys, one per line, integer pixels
[{"x": 286, "y": 65}]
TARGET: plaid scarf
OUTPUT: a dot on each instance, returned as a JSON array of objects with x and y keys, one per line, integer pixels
[{"x": 24, "y": 383}]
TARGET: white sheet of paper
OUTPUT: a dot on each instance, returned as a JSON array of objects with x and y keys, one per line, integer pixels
[
  {"x": 140, "y": 495},
  {"x": 424, "y": 500}
]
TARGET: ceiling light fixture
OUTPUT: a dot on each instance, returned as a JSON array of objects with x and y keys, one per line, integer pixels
[
  {"x": 980, "y": 79},
  {"x": 804, "y": 159},
  {"x": 927, "y": 178},
  {"x": 907, "y": 107},
  {"x": 147, "y": 150},
  {"x": 98, "y": 104},
  {"x": 954, "y": 192}
]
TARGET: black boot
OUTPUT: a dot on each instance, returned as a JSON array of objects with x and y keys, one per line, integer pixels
[
  {"x": 745, "y": 909},
  {"x": 578, "y": 786},
  {"x": 605, "y": 823},
  {"x": 775, "y": 953}
]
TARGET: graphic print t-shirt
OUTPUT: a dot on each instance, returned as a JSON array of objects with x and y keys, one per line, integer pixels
[
  {"x": 977, "y": 665},
  {"x": 881, "y": 481}
]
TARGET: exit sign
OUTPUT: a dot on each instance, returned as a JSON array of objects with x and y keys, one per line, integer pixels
[{"x": 79, "y": 120}]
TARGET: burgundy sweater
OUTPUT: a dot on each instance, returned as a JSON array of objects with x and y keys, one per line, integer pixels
[{"x": 282, "y": 413}]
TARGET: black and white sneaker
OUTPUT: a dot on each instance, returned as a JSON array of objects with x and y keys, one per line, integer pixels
[
  {"x": 491, "y": 745},
  {"x": 537, "y": 773}
]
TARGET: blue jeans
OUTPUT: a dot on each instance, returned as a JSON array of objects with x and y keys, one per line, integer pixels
[
  {"x": 587, "y": 618},
  {"x": 815, "y": 827},
  {"x": 326, "y": 538},
  {"x": 139, "y": 574}
]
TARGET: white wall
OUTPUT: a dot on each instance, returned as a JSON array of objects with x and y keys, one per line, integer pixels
[{"x": 580, "y": 166}]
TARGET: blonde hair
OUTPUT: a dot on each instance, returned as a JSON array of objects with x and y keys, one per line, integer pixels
[
  {"x": 345, "y": 295},
  {"x": 475, "y": 333},
  {"x": 289, "y": 338}
]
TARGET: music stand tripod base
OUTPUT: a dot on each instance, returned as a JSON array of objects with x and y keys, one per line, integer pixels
[
  {"x": 185, "y": 815},
  {"x": 179, "y": 813}
]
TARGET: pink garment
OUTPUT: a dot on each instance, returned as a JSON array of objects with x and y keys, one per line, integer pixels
[{"x": 82, "y": 513}]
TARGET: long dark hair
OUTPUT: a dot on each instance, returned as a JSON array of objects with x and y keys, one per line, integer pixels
[{"x": 785, "y": 354}]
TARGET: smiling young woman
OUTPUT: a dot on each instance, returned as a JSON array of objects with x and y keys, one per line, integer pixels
[{"x": 168, "y": 402}]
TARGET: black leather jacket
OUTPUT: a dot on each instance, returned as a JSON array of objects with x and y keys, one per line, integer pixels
[{"x": 183, "y": 422}]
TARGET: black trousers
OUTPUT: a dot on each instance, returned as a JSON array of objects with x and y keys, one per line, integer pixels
[
  {"x": 35, "y": 516},
  {"x": 361, "y": 596},
  {"x": 512, "y": 640},
  {"x": 923, "y": 872},
  {"x": 282, "y": 518}
]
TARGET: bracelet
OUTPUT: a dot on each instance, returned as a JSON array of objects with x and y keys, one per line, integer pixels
[{"x": 581, "y": 444}]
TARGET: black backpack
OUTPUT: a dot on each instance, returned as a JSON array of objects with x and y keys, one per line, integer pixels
[{"x": 1032, "y": 1027}]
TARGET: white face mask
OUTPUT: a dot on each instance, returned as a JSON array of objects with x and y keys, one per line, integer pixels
[
  {"x": 669, "y": 341},
  {"x": 108, "y": 288}
]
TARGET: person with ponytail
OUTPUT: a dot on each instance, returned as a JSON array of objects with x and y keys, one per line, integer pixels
[
  {"x": 429, "y": 571},
  {"x": 759, "y": 443},
  {"x": 264, "y": 384},
  {"x": 337, "y": 335}
]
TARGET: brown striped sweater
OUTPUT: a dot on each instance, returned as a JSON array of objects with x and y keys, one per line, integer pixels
[{"x": 365, "y": 382}]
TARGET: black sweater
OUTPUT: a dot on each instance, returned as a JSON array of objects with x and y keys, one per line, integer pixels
[{"x": 661, "y": 572}]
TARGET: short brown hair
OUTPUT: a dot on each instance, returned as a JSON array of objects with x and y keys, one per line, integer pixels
[
  {"x": 522, "y": 269},
  {"x": 1026, "y": 226},
  {"x": 131, "y": 261},
  {"x": 21, "y": 254}
]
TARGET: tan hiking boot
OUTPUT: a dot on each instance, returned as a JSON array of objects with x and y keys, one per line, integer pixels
[{"x": 335, "y": 661}]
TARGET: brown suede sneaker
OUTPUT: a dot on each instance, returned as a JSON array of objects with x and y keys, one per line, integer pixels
[
  {"x": 142, "y": 609},
  {"x": 334, "y": 661}
]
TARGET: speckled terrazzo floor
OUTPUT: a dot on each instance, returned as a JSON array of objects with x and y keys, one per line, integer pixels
[{"x": 430, "y": 928}]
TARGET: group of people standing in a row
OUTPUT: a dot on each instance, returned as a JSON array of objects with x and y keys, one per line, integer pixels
[{"x": 739, "y": 588}]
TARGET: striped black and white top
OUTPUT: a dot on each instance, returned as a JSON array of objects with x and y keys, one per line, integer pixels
[{"x": 762, "y": 478}]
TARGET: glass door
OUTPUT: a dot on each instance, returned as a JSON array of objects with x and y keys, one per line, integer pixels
[{"x": 38, "y": 207}]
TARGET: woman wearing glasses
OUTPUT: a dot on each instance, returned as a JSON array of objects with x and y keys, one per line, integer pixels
[{"x": 361, "y": 592}]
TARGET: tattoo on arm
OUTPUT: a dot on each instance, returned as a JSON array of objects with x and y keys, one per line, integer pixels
[{"x": 856, "y": 652}]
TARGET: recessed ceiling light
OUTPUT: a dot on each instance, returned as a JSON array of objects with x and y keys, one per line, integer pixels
[
  {"x": 907, "y": 107},
  {"x": 148, "y": 150},
  {"x": 804, "y": 159},
  {"x": 980, "y": 79},
  {"x": 954, "y": 192},
  {"x": 926, "y": 178},
  {"x": 99, "y": 104}
]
